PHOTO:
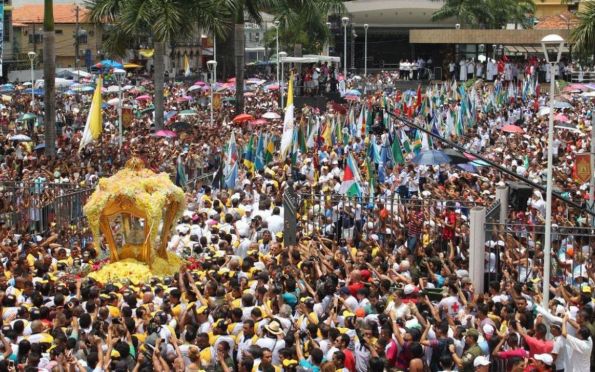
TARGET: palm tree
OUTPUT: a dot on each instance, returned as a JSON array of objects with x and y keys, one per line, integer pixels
[
  {"x": 160, "y": 20},
  {"x": 583, "y": 35},
  {"x": 291, "y": 13},
  {"x": 468, "y": 13},
  {"x": 492, "y": 14},
  {"x": 49, "y": 75}
]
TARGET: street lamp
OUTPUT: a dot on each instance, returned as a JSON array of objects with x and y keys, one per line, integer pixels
[
  {"x": 345, "y": 21},
  {"x": 366, "y": 49},
  {"x": 212, "y": 66},
  {"x": 494, "y": 46},
  {"x": 282, "y": 55},
  {"x": 119, "y": 75},
  {"x": 326, "y": 44},
  {"x": 276, "y": 25},
  {"x": 32, "y": 56},
  {"x": 551, "y": 44}
]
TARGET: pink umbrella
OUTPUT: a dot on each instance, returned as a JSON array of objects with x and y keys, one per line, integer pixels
[
  {"x": 512, "y": 129},
  {"x": 249, "y": 94},
  {"x": 200, "y": 83},
  {"x": 562, "y": 117},
  {"x": 166, "y": 133},
  {"x": 273, "y": 87},
  {"x": 183, "y": 99},
  {"x": 259, "y": 122},
  {"x": 144, "y": 97}
]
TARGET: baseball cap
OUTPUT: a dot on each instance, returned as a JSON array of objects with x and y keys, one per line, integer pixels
[
  {"x": 545, "y": 358},
  {"x": 481, "y": 361}
]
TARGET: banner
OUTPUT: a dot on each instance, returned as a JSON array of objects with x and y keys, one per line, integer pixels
[
  {"x": 1, "y": 34},
  {"x": 217, "y": 101},
  {"x": 127, "y": 116},
  {"x": 583, "y": 168}
]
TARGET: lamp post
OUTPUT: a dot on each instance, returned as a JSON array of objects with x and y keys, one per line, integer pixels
[
  {"x": 366, "y": 50},
  {"x": 345, "y": 21},
  {"x": 550, "y": 43},
  {"x": 276, "y": 25},
  {"x": 119, "y": 75},
  {"x": 32, "y": 56},
  {"x": 327, "y": 44},
  {"x": 212, "y": 66},
  {"x": 282, "y": 55}
]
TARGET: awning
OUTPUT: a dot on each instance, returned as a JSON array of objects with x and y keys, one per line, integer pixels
[{"x": 527, "y": 49}]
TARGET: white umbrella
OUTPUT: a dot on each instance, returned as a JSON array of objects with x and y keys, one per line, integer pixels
[
  {"x": 543, "y": 111},
  {"x": 271, "y": 115},
  {"x": 193, "y": 88},
  {"x": 113, "y": 101},
  {"x": 20, "y": 138},
  {"x": 127, "y": 87},
  {"x": 113, "y": 89}
]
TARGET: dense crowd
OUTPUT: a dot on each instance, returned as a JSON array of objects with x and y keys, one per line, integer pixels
[{"x": 377, "y": 281}]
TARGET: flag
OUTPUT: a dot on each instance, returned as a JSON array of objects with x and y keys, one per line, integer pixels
[
  {"x": 259, "y": 158},
  {"x": 405, "y": 142},
  {"x": 417, "y": 143},
  {"x": 288, "y": 122},
  {"x": 361, "y": 123},
  {"x": 396, "y": 151},
  {"x": 326, "y": 134},
  {"x": 94, "y": 124},
  {"x": 230, "y": 172},
  {"x": 249, "y": 155},
  {"x": 269, "y": 149},
  {"x": 371, "y": 181},
  {"x": 351, "y": 178},
  {"x": 186, "y": 66},
  {"x": 181, "y": 178}
]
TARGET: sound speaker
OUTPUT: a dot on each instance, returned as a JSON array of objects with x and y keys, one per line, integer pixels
[{"x": 518, "y": 195}]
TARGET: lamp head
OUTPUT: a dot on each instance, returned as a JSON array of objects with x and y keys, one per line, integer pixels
[
  {"x": 458, "y": 26},
  {"x": 32, "y": 55},
  {"x": 211, "y": 64},
  {"x": 366, "y": 26},
  {"x": 552, "y": 45},
  {"x": 276, "y": 23},
  {"x": 282, "y": 55},
  {"x": 328, "y": 24},
  {"x": 345, "y": 21}
]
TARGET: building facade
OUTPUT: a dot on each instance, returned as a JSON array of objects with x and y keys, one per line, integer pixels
[{"x": 75, "y": 36}]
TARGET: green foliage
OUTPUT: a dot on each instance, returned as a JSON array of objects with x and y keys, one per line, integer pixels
[
  {"x": 491, "y": 14},
  {"x": 584, "y": 34}
]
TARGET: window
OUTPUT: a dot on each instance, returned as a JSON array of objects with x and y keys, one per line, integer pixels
[
  {"x": 83, "y": 39},
  {"x": 59, "y": 32},
  {"x": 37, "y": 40},
  {"x": 91, "y": 33},
  {"x": 7, "y": 25}
]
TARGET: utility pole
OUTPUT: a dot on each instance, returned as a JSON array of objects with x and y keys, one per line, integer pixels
[{"x": 76, "y": 40}]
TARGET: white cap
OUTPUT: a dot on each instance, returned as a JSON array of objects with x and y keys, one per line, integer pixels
[
  {"x": 545, "y": 358},
  {"x": 482, "y": 361},
  {"x": 409, "y": 289}
]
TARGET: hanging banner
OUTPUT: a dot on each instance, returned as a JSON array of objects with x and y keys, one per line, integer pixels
[
  {"x": 583, "y": 168},
  {"x": 127, "y": 116},
  {"x": 1, "y": 34}
]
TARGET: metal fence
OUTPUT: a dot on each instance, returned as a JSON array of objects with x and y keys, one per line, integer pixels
[
  {"x": 348, "y": 217},
  {"x": 519, "y": 249}
]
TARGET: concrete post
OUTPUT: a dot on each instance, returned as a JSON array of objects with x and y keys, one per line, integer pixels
[
  {"x": 502, "y": 197},
  {"x": 477, "y": 248}
]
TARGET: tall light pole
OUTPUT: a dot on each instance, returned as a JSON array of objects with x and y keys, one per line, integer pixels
[
  {"x": 345, "y": 21},
  {"x": 551, "y": 44},
  {"x": 32, "y": 56},
  {"x": 327, "y": 44},
  {"x": 282, "y": 55},
  {"x": 212, "y": 66},
  {"x": 276, "y": 25},
  {"x": 119, "y": 75},
  {"x": 366, "y": 49}
]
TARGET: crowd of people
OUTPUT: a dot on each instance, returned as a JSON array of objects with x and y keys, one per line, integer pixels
[{"x": 377, "y": 281}]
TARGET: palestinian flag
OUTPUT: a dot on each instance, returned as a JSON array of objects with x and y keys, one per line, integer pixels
[{"x": 351, "y": 179}]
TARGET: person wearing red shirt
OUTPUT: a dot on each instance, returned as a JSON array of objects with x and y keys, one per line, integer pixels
[
  {"x": 356, "y": 282},
  {"x": 342, "y": 342},
  {"x": 537, "y": 344},
  {"x": 450, "y": 223}
]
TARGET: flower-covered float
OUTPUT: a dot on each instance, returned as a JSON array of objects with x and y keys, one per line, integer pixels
[{"x": 134, "y": 210}]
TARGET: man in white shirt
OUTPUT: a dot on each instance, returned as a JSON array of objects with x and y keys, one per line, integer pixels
[
  {"x": 275, "y": 222},
  {"x": 578, "y": 348}
]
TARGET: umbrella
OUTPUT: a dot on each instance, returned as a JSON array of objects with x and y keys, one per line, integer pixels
[
  {"x": 200, "y": 83},
  {"x": 242, "y": 118},
  {"x": 259, "y": 122},
  {"x": 588, "y": 94},
  {"x": 183, "y": 99},
  {"x": 6, "y": 88},
  {"x": 431, "y": 157},
  {"x": 147, "y": 110},
  {"x": 568, "y": 127},
  {"x": 170, "y": 114},
  {"x": 479, "y": 163},
  {"x": 272, "y": 87},
  {"x": 543, "y": 111},
  {"x": 144, "y": 97},
  {"x": 187, "y": 113},
  {"x": 28, "y": 116},
  {"x": 229, "y": 99},
  {"x": 113, "y": 101},
  {"x": 113, "y": 89},
  {"x": 193, "y": 88},
  {"x": 181, "y": 126},
  {"x": 468, "y": 168},
  {"x": 109, "y": 64},
  {"x": 271, "y": 115},
  {"x": 456, "y": 157},
  {"x": 131, "y": 66},
  {"x": 510, "y": 128},
  {"x": 40, "y": 146},
  {"x": 20, "y": 138},
  {"x": 353, "y": 92},
  {"x": 562, "y": 105},
  {"x": 561, "y": 117},
  {"x": 166, "y": 133}
]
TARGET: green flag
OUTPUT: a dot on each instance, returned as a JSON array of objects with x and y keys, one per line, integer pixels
[{"x": 396, "y": 151}]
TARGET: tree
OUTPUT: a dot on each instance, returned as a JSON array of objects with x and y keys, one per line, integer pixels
[
  {"x": 49, "y": 75},
  {"x": 583, "y": 35},
  {"x": 299, "y": 14},
  {"x": 159, "y": 20},
  {"x": 492, "y": 14}
]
